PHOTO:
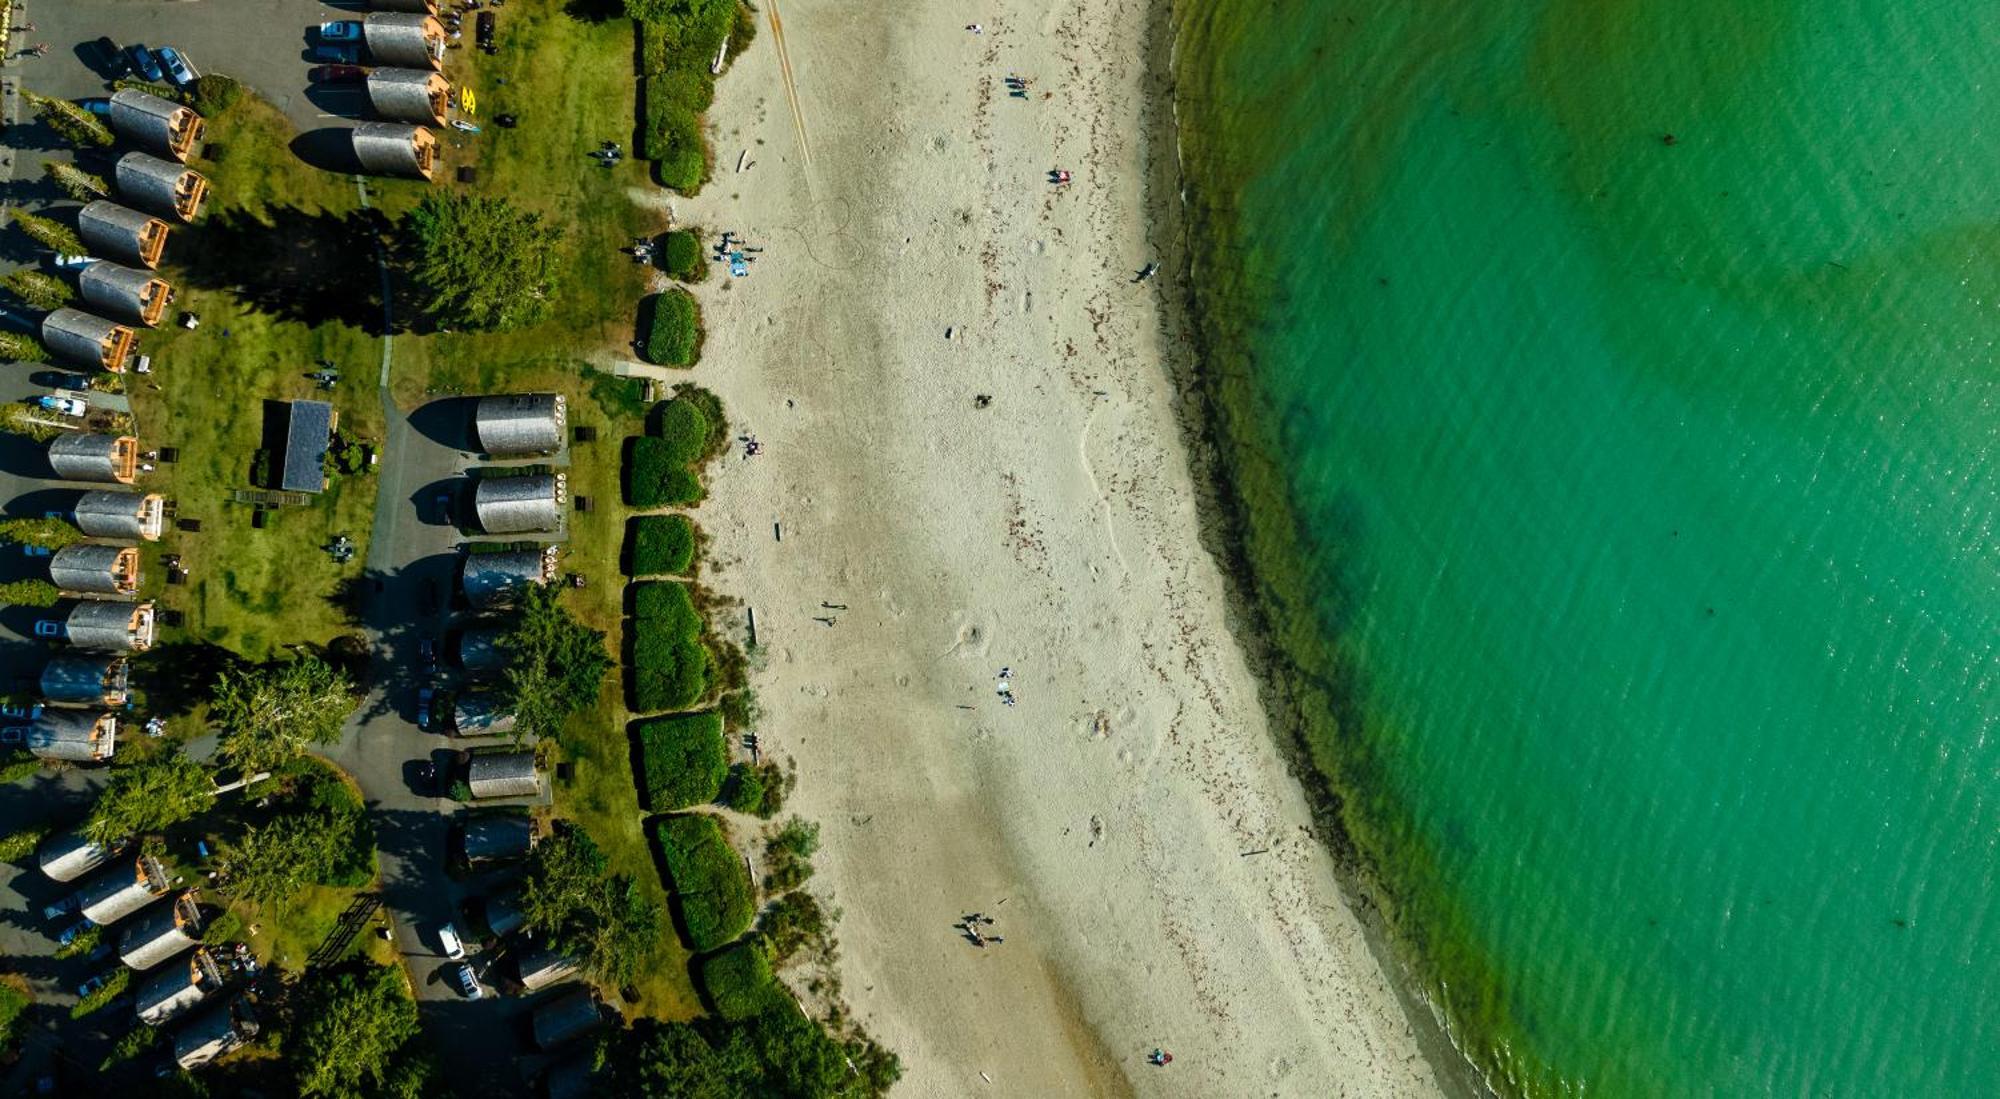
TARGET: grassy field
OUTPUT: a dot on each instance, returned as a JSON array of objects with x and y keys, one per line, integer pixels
[
  {"x": 282, "y": 271},
  {"x": 243, "y": 271}
]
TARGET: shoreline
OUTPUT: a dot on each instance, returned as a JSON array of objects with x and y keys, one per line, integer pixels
[{"x": 1170, "y": 217}]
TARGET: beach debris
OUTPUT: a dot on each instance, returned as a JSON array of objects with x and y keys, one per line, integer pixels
[
  {"x": 950, "y": 330},
  {"x": 982, "y": 400}
]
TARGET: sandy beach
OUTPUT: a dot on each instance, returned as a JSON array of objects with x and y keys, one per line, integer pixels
[{"x": 1129, "y": 825}]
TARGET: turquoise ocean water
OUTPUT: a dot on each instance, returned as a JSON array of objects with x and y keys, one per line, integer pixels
[{"x": 1630, "y": 508}]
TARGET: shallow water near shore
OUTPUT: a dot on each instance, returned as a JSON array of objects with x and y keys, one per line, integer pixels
[{"x": 1610, "y": 390}]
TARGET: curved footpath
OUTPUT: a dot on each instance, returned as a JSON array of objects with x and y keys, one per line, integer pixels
[{"x": 1104, "y": 820}]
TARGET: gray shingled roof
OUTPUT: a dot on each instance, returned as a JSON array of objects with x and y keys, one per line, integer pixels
[
  {"x": 120, "y": 889},
  {"x": 82, "y": 456},
  {"x": 90, "y": 678},
  {"x": 494, "y": 837},
  {"x": 82, "y": 338},
  {"x": 503, "y": 775},
  {"x": 539, "y": 967},
  {"x": 168, "y": 129},
  {"x": 176, "y": 988},
  {"x": 496, "y": 579},
  {"x": 566, "y": 1017},
  {"x": 106, "y": 625},
  {"x": 482, "y": 713},
  {"x": 411, "y": 40},
  {"x": 520, "y": 423},
  {"x": 428, "y": 7},
  {"x": 120, "y": 233},
  {"x": 308, "y": 434},
  {"x": 409, "y": 95},
  {"x": 68, "y": 856},
  {"x": 116, "y": 514},
  {"x": 167, "y": 188},
  {"x": 210, "y": 1034},
  {"x": 86, "y": 567},
  {"x": 512, "y": 505},
  {"x": 80, "y": 736},
  {"x": 393, "y": 149},
  {"x": 503, "y": 911},
  {"x": 479, "y": 650},
  {"x": 160, "y": 933},
  {"x": 130, "y": 295}
]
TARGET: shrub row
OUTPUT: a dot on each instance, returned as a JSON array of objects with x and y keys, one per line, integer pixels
[
  {"x": 670, "y": 327},
  {"x": 660, "y": 465},
  {"x": 681, "y": 256},
  {"x": 661, "y": 543},
  {"x": 671, "y": 668},
  {"x": 676, "y": 50},
  {"x": 738, "y": 980},
  {"x": 682, "y": 759},
  {"x": 707, "y": 878}
]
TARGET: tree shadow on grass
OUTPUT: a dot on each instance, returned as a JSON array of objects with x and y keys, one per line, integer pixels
[
  {"x": 178, "y": 674},
  {"x": 298, "y": 266}
]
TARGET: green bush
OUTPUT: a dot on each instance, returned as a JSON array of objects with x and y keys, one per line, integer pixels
[
  {"x": 651, "y": 461},
  {"x": 712, "y": 411},
  {"x": 682, "y": 489},
  {"x": 85, "y": 942},
  {"x": 684, "y": 428},
  {"x": 121, "y": 979},
  {"x": 669, "y": 672},
  {"x": 672, "y": 329},
  {"x": 669, "y": 603},
  {"x": 792, "y": 923},
  {"x": 707, "y": 879},
  {"x": 13, "y": 1007},
  {"x": 738, "y": 981},
  {"x": 21, "y": 843},
  {"x": 29, "y": 593},
  {"x": 683, "y": 759},
  {"x": 743, "y": 791},
  {"x": 661, "y": 543},
  {"x": 690, "y": 88},
  {"x": 214, "y": 93},
  {"x": 681, "y": 254}
]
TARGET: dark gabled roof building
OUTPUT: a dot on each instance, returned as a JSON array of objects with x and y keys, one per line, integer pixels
[
  {"x": 214, "y": 1032},
  {"x": 87, "y": 679},
  {"x": 67, "y": 856},
  {"x": 163, "y": 187},
  {"x": 503, "y": 775},
  {"x": 566, "y": 1018},
  {"x": 160, "y": 932},
  {"x": 131, "y": 295},
  {"x": 395, "y": 149},
  {"x": 497, "y": 579},
  {"x": 409, "y": 95},
  {"x": 518, "y": 424},
  {"x": 308, "y": 436},
  {"x": 177, "y": 988},
  {"x": 86, "y": 339},
  {"x": 515, "y": 505},
  {"x": 121, "y": 889},
  {"x": 94, "y": 568},
  {"x": 127, "y": 515},
  {"x": 150, "y": 122},
  {"x": 78, "y": 736},
  {"x": 82, "y": 456},
  {"x": 126, "y": 235},
  {"x": 109, "y": 625},
  {"x": 498, "y": 837},
  {"x": 411, "y": 40}
]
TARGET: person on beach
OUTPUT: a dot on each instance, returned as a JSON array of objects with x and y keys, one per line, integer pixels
[{"x": 1159, "y": 1058}]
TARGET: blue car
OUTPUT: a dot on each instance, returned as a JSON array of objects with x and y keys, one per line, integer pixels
[
  {"x": 336, "y": 55},
  {"x": 177, "y": 66},
  {"x": 143, "y": 63},
  {"x": 340, "y": 30}
]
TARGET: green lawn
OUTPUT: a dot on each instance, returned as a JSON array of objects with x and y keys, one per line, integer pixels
[{"x": 284, "y": 262}]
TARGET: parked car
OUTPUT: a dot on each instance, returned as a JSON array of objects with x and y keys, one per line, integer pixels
[
  {"x": 454, "y": 947},
  {"x": 466, "y": 980},
  {"x": 143, "y": 63},
  {"x": 337, "y": 74},
  {"x": 96, "y": 104},
  {"x": 340, "y": 30},
  {"x": 179, "y": 69},
  {"x": 92, "y": 985},
  {"x": 427, "y": 651},
  {"x": 111, "y": 59},
  {"x": 67, "y": 406},
  {"x": 424, "y": 698},
  {"x": 27, "y": 711},
  {"x": 337, "y": 55},
  {"x": 484, "y": 33},
  {"x": 29, "y": 549},
  {"x": 72, "y": 931},
  {"x": 13, "y": 736},
  {"x": 59, "y": 908},
  {"x": 48, "y": 627}
]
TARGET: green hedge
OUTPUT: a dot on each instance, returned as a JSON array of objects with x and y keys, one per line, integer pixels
[
  {"x": 684, "y": 428},
  {"x": 683, "y": 759},
  {"x": 652, "y": 461},
  {"x": 707, "y": 878},
  {"x": 669, "y": 602},
  {"x": 669, "y": 672},
  {"x": 214, "y": 93},
  {"x": 662, "y": 543},
  {"x": 738, "y": 980},
  {"x": 672, "y": 138},
  {"x": 681, "y": 255},
  {"x": 672, "y": 328}
]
